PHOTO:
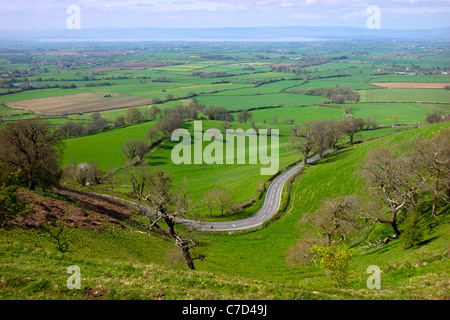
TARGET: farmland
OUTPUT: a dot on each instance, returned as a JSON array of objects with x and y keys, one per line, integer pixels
[{"x": 99, "y": 97}]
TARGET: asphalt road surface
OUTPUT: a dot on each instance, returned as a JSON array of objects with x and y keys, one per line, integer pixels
[{"x": 268, "y": 210}]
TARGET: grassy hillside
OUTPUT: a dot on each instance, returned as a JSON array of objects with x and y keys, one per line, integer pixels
[
  {"x": 262, "y": 253},
  {"x": 248, "y": 266}
]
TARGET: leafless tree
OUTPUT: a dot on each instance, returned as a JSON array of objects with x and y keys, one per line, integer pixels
[
  {"x": 303, "y": 139},
  {"x": 168, "y": 125},
  {"x": 134, "y": 149},
  {"x": 327, "y": 134},
  {"x": 352, "y": 126},
  {"x": 432, "y": 157},
  {"x": 119, "y": 122},
  {"x": 152, "y": 134},
  {"x": 88, "y": 172},
  {"x": 388, "y": 179},
  {"x": 243, "y": 116},
  {"x": 133, "y": 115},
  {"x": 334, "y": 221},
  {"x": 166, "y": 205},
  {"x": 210, "y": 200}
]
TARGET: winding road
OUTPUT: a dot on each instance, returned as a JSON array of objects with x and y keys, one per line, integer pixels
[{"x": 268, "y": 210}]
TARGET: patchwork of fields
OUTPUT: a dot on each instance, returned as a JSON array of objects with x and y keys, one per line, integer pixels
[{"x": 103, "y": 101}]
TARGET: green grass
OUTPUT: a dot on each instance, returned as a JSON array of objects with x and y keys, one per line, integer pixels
[
  {"x": 300, "y": 114},
  {"x": 261, "y": 254},
  {"x": 104, "y": 147},
  {"x": 392, "y": 113},
  {"x": 408, "y": 95},
  {"x": 248, "y": 266},
  {"x": 235, "y": 103}
]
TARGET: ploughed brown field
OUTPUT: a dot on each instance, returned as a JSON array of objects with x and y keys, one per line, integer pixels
[
  {"x": 410, "y": 85},
  {"x": 75, "y": 103}
]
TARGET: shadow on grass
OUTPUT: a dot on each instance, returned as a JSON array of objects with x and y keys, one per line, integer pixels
[
  {"x": 335, "y": 156},
  {"x": 425, "y": 242}
]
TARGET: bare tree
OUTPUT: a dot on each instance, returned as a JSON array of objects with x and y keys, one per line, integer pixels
[
  {"x": 303, "y": 139},
  {"x": 327, "y": 134},
  {"x": 133, "y": 115},
  {"x": 166, "y": 205},
  {"x": 119, "y": 122},
  {"x": 224, "y": 198},
  {"x": 351, "y": 126},
  {"x": 152, "y": 134},
  {"x": 388, "y": 179},
  {"x": 226, "y": 125},
  {"x": 88, "y": 172},
  {"x": 210, "y": 200},
  {"x": 243, "y": 116},
  {"x": 168, "y": 125},
  {"x": 134, "y": 149},
  {"x": 432, "y": 156},
  {"x": 333, "y": 222},
  {"x": 336, "y": 218}
]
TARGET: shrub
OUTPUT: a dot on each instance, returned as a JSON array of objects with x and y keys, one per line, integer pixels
[
  {"x": 11, "y": 205},
  {"x": 334, "y": 260},
  {"x": 413, "y": 233}
]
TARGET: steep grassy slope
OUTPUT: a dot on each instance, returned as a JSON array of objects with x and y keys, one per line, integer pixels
[
  {"x": 262, "y": 254},
  {"x": 249, "y": 266}
]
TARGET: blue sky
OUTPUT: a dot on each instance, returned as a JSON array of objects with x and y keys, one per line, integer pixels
[{"x": 51, "y": 14}]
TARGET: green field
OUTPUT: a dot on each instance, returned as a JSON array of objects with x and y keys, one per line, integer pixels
[
  {"x": 236, "y": 264},
  {"x": 235, "y": 103},
  {"x": 395, "y": 113},
  {"x": 407, "y": 95},
  {"x": 237, "y": 76}
]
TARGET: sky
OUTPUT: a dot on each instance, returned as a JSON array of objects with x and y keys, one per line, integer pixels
[{"x": 109, "y": 14}]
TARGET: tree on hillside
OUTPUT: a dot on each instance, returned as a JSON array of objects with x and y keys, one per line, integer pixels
[
  {"x": 134, "y": 149},
  {"x": 33, "y": 147},
  {"x": 133, "y": 115},
  {"x": 327, "y": 134},
  {"x": 154, "y": 112},
  {"x": 352, "y": 126},
  {"x": 152, "y": 134},
  {"x": 166, "y": 205},
  {"x": 70, "y": 129},
  {"x": 168, "y": 125},
  {"x": 303, "y": 139},
  {"x": 119, "y": 122},
  {"x": 437, "y": 116},
  {"x": 432, "y": 156},
  {"x": 389, "y": 181},
  {"x": 224, "y": 198},
  {"x": 210, "y": 200},
  {"x": 243, "y": 116},
  {"x": 88, "y": 173},
  {"x": 226, "y": 125},
  {"x": 333, "y": 222}
]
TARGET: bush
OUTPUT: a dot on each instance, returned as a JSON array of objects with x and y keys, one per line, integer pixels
[
  {"x": 334, "y": 260},
  {"x": 10, "y": 204},
  {"x": 413, "y": 233}
]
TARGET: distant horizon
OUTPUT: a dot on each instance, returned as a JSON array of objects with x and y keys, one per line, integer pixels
[
  {"x": 28, "y": 15},
  {"x": 233, "y": 34}
]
